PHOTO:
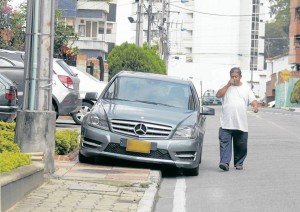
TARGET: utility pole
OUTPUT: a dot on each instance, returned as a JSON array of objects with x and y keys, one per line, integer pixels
[
  {"x": 139, "y": 24},
  {"x": 162, "y": 29},
  {"x": 149, "y": 12},
  {"x": 166, "y": 43},
  {"x": 35, "y": 129}
]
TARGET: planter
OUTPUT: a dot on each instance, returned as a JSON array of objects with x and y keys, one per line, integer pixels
[
  {"x": 69, "y": 157},
  {"x": 18, "y": 182}
]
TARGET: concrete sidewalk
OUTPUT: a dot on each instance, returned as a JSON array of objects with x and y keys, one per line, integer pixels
[{"x": 86, "y": 187}]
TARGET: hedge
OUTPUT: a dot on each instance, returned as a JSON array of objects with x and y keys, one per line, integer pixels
[
  {"x": 10, "y": 153},
  {"x": 11, "y": 160},
  {"x": 66, "y": 141}
]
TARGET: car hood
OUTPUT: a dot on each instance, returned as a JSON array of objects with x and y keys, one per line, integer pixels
[{"x": 137, "y": 111}]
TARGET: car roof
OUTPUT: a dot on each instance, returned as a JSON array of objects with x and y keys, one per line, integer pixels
[
  {"x": 13, "y": 55},
  {"x": 154, "y": 76}
]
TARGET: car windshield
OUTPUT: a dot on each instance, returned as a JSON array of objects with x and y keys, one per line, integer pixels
[
  {"x": 209, "y": 93},
  {"x": 150, "y": 91}
]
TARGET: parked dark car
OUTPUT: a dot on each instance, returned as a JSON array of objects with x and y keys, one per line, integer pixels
[
  {"x": 8, "y": 99},
  {"x": 148, "y": 118}
]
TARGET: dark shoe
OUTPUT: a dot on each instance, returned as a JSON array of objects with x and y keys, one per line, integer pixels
[
  {"x": 239, "y": 167},
  {"x": 224, "y": 166}
]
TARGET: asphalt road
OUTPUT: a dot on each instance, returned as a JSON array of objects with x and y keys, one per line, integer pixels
[
  {"x": 66, "y": 122},
  {"x": 270, "y": 180}
]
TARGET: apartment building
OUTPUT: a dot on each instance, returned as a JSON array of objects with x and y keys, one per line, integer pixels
[
  {"x": 206, "y": 38},
  {"x": 216, "y": 36},
  {"x": 95, "y": 23}
]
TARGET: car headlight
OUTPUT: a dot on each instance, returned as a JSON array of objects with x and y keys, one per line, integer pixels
[
  {"x": 185, "y": 132},
  {"x": 97, "y": 118}
]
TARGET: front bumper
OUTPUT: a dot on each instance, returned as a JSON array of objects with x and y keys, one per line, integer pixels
[{"x": 181, "y": 153}]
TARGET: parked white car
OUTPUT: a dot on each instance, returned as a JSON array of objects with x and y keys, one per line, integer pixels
[{"x": 88, "y": 84}]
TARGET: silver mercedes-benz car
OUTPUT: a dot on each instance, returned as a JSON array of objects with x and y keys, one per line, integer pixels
[{"x": 147, "y": 118}]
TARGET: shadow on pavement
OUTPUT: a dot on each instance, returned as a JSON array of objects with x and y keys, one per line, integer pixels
[{"x": 167, "y": 171}]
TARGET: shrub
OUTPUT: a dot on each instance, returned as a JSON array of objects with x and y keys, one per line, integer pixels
[
  {"x": 7, "y": 136},
  {"x": 10, "y": 161},
  {"x": 8, "y": 146},
  {"x": 4, "y": 126},
  {"x": 66, "y": 141}
]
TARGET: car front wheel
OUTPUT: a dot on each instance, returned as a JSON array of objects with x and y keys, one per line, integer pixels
[
  {"x": 85, "y": 109},
  {"x": 191, "y": 172}
]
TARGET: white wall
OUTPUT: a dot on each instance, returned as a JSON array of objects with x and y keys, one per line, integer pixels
[
  {"x": 276, "y": 65},
  {"x": 124, "y": 30}
]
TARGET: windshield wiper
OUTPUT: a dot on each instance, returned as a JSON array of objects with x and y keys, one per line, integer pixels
[
  {"x": 120, "y": 99},
  {"x": 153, "y": 103}
]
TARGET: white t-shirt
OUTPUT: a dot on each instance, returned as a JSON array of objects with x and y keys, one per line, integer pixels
[{"x": 234, "y": 107}]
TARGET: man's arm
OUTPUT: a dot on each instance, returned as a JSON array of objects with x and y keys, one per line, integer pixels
[
  {"x": 223, "y": 90},
  {"x": 254, "y": 105}
]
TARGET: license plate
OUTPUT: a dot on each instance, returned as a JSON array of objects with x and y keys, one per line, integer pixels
[
  {"x": 215, "y": 103},
  {"x": 138, "y": 146}
]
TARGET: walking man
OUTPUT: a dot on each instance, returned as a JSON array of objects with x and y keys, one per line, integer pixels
[{"x": 236, "y": 97}]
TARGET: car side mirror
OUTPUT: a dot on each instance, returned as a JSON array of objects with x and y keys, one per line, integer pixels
[
  {"x": 91, "y": 96},
  {"x": 207, "y": 111}
]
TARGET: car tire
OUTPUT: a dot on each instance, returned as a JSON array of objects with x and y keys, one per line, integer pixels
[
  {"x": 83, "y": 159},
  {"x": 54, "y": 108},
  {"x": 85, "y": 109},
  {"x": 191, "y": 172}
]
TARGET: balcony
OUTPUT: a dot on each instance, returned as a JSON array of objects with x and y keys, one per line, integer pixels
[
  {"x": 92, "y": 5},
  {"x": 188, "y": 25},
  {"x": 92, "y": 44},
  {"x": 187, "y": 42}
]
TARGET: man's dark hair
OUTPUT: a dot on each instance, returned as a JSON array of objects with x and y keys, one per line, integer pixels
[{"x": 236, "y": 70}]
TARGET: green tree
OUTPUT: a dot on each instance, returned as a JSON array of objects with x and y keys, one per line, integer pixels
[
  {"x": 295, "y": 95},
  {"x": 5, "y": 12},
  {"x": 277, "y": 30},
  {"x": 18, "y": 28},
  {"x": 131, "y": 57},
  {"x": 64, "y": 35},
  {"x": 276, "y": 40}
]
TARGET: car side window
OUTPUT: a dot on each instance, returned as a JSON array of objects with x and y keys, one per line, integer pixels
[{"x": 194, "y": 100}]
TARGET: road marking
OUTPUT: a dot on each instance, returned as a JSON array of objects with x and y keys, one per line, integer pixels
[
  {"x": 179, "y": 195},
  {"x": 276, "y": 125}
]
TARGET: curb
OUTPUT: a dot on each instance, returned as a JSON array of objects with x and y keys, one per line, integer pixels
[
  {"x": 69, "y": 157},
  {"x": 147, "y": 203},
  {"x": 293, "y": 109},
  {"x": 14, "y": 185}
]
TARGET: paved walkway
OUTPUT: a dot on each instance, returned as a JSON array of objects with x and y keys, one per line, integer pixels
[{"x": 86, "y": 187}]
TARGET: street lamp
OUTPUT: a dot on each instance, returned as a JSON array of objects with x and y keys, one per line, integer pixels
[{"x": 131, "y": 20}]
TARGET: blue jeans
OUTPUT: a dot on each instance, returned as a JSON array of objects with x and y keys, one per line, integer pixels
[{"x": 239, "y": 140}]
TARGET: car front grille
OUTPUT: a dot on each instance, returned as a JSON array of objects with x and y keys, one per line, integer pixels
[
  {"x": 157, "y": 154},
  {"x": 152, "y": 130}
]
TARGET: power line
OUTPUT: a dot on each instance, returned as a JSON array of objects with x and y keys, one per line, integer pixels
[{"x": 214, "y": 14}]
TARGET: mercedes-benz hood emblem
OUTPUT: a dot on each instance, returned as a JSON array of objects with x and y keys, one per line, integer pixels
[{"x": 140, "y": 129}]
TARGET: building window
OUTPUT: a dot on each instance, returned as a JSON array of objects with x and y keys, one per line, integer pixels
[
  {"x": 94, "y": 29},
  {"x": 88, "y": 30},
  {"x": 101, "y": 27},
  {"x": 82, "y": 30},
  {"x": 297, "y": 41},
  {"x": 109, "y": 29},
  {"x": 297, "y": 13}
]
